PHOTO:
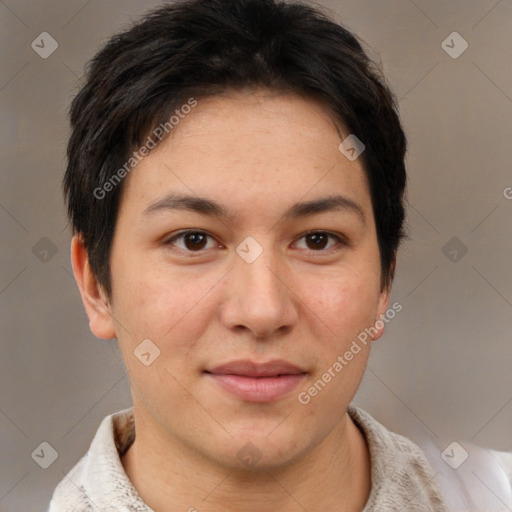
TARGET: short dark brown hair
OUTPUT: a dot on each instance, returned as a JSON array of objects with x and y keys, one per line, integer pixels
[{"x": 196, "y": 48}]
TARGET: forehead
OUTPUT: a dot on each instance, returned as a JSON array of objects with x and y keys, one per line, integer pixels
[{"x": 251, "y": 149}]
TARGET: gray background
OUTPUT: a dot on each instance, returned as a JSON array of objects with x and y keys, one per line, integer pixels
[{"x": 443, "y": 366}]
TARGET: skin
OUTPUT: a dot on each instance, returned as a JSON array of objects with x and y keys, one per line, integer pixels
[{"x": 257, "y": 153}]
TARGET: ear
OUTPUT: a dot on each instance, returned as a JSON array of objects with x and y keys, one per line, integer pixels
[
  {"x": 96, "y": 305},
  {"x": 383, "y": 305}
]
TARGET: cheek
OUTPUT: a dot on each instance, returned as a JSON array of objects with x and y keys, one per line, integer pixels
[
  {"x": 342, "y": 305},
  {"x": 161, "y": 305},
  {"x": 338, "y": 311}
]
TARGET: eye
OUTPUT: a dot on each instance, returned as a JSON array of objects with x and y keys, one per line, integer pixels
[
  {"x": 192, "y": 241},
  {"x": 318, "y": 241},
  {"x": 197, "y": 241}
]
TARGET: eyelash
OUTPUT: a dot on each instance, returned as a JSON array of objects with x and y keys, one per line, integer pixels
[{"x": 342, "y": 242}]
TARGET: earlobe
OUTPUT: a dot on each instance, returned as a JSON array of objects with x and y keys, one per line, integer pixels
[
  {"x": 96, "y": 305},
  {"x": 380, "y": 325}
]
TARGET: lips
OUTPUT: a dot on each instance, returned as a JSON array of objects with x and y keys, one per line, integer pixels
[
  {"x": 253, "y": 369},
  {"x": 257, "y": 382}
]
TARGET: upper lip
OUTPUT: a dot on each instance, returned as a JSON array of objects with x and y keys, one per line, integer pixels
[{"x": 250, "y": 368}]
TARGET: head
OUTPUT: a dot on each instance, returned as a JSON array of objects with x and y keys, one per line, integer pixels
[{"x": 227, "y": 119}]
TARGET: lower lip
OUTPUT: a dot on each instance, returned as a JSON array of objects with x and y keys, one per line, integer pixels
[{"x": 258, "y": 389}]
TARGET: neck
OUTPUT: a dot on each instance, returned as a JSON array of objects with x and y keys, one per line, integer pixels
[{"x": 335, "y": 474}]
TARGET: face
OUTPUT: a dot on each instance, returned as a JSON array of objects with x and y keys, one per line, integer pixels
[{"x": 255, "y": 265}]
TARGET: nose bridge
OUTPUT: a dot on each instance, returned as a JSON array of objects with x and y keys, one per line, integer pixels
[
  {"x": 258, "y": 296},
  {"x": 259, "y": 278}
]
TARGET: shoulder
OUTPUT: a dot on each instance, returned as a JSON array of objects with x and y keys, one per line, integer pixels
[
  {"x": 70, "y": 494},
  {"x": 98, "y": 477},
  {"x": 402, "y": 477},
  {"x": 477, "y": 479}
]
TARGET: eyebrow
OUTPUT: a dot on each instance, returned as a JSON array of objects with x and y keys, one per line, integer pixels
[{"x": 212, "y": 208}]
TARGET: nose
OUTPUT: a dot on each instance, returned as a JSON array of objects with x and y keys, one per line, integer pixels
[{"x": 259, "y": 297}]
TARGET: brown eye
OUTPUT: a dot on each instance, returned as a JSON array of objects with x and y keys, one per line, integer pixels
[
  {"x": 192, "y": 241},
  {"x": 317, "y": 240},
  {"x": 320, "y": 241},
  {"x": 195, "y": 241}
]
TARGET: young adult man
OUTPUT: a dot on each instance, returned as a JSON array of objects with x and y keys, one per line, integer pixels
[{"x": 235, "y": 183}]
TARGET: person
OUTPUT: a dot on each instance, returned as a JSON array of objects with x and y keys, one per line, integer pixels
[{"x": 235, "y": 185}]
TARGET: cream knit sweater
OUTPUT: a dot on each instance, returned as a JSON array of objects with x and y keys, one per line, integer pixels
[{"x": 402, "y": 478}]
